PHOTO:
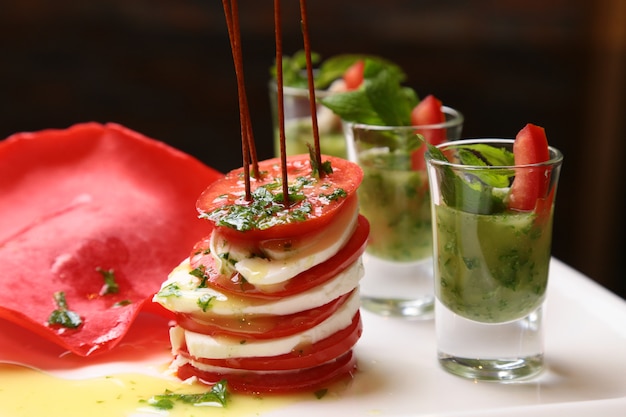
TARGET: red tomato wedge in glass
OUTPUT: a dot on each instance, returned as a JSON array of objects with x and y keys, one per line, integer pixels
[
  {"x": 530, "y": 184},
  {"x": 316, "y": 201},
  {"x": 353, "y": 77},
  {"x": 87, "y": 202},
  {"x": 427, "y": 112}
]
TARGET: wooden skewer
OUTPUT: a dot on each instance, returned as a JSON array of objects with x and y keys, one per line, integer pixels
[
  {"x": 280, "y": 96},
  {"x": 231, "y": 12},
  {"x": 312, "y": 101}
]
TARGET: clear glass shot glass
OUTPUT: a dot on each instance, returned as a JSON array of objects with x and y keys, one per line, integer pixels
[
  {"x": 394, "y": 196},
  {"x": 299, "y": 125},
  {"x": 490, "y": 263}
]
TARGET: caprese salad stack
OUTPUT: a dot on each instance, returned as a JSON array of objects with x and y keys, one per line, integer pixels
[{"x": 269, "y": 301}]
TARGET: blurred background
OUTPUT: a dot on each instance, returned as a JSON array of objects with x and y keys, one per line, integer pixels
[{"x": 164, "y": 68}]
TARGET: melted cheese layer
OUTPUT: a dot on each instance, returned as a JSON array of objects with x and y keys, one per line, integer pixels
[{"x": 222, "y": 304}]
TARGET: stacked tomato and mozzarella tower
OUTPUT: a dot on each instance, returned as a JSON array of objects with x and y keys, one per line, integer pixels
[{"x": 269, "y": 301}]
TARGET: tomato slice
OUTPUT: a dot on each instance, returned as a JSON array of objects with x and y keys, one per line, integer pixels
[
  {"x": 317, "y": 275},
  {"x": 317, "y": 200},
  {"x": 353, "y": 77},
  {"x": 257, "y": 327},
  {"x": 309, "y": 356},
  {"x": 530, "y": 184},
  {"x": 427, "y": 112},
  {"x": 310, "y": 379}
]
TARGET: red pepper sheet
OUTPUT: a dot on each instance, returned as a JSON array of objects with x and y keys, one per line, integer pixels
[{"x": 75, "y": 202}]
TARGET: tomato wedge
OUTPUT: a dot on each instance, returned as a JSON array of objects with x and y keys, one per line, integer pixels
[
  {"x": 86, "y": 199},
  {"x": 316, "y": 201},
  {"x": 353, "y": 77},
  {"x": 317, "y": 275},
  {"x": 309, "y": 356},
  {"x": 530, "y": 184},
  {"x": 427, "y": 112},
  {"x": 257, "y": 327}
]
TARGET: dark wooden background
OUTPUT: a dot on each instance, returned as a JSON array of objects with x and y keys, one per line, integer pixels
[{"x": 164, "y": 68}]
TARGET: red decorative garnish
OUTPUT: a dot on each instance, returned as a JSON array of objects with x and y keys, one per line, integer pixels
[{"x": 88, "y": 199}]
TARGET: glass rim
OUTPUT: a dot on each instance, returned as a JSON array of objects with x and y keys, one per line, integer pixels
[
  {"x": 556, "y": 157},
  {"x": 456, "y": 120}
]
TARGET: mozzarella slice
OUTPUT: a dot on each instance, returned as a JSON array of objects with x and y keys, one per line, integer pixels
[
  {"x": 205, "y": 346},
  {"x": 279, "y": 264},
  {"x": 185, "y": 295}
]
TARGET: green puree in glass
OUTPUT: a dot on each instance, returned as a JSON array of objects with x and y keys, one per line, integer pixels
[
  {"x": 299, "y": 132},
  {"x": 491, "y": 268},
  {"x": 396, "y": 201}
]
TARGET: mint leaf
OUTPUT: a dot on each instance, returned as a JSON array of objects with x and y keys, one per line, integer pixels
[
  {"x": 389, "y": 99},
  {"x": 381, "y": 99},
  {"x": 471, "y": 193},
  {"x": 295, "y": 74}
]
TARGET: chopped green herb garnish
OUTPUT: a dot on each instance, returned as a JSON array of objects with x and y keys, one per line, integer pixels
[
  {"x": 204, "y": 301},
  {"x": 62, "y": 316},
  {"x": 200, "y": 273},
  {"x": 265, "y": 210},
  {"x": 110, "y": 285},
  {"x": 122, "y": 303},
  {"x": 217, "y": 396},
  {"x": 170, "y": 290},
  {"x": 335, "y": 195},
  {"x": 316, "y": 169}
]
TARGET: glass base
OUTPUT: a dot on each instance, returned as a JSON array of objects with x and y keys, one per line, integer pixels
[
  {"x": 508, "y": 351},
  {"x": 398, "y": 289},
  {"x": 400, "y": 307},
  {"x": 501, "y": 370}
]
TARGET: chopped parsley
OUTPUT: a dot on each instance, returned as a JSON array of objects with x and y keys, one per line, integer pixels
[
  {"x": 62, "y": 316},
  {"x": 217, "y": 396},
  {"x": 204, "y": 301},
  {"x": 122, "y": 303},
  {"x": 170, "y": 290},
  {"x": 200, "y": 273},
  {"x": 265, "y": 210},
  {"x": 110, "y": 285}
]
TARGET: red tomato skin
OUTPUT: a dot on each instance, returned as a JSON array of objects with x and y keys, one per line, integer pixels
[
  {"x": 353, "y": 77},
  {"x": 531, "y": 184},
  {"x": 306, "y": 357},
  {"x": 230, "y": 190},
  {"x": 310, "y": 379},
  {"x": 306, "y": 280},
  {"x": 427, "y": 112}
]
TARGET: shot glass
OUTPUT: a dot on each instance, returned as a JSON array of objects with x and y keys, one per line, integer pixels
[
  {"x": 490, "y": 262},
  {"x": 394, "y": 196},
  {"x": 299, "y": 125}
]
